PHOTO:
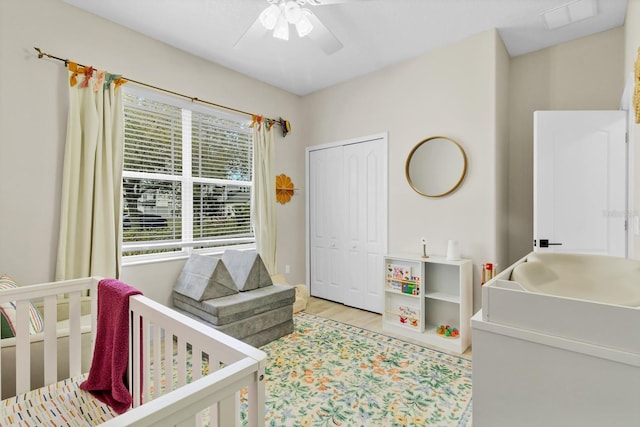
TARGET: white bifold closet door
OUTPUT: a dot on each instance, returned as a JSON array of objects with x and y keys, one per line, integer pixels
[{"x": 347, "y": 213}]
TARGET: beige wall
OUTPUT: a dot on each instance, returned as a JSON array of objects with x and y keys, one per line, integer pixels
[
  {"x": 450, "y": 92},
  {"x": 33, "y": 121},
  {"x": 632, "y": 44},
  {"x": 503, "y": 70},
  {"x": 584, "y": 74}
]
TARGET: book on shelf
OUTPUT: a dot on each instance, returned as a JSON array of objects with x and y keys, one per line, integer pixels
[
  {"x": 397, "y": 275},
  {"x": 409, "y": 316},
  {"x": 410, "y": 288},
  {"x": 398, "y": 272},
  {"x": 395, "y": 285}
]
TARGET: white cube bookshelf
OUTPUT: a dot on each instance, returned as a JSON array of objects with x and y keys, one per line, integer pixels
[{"x": 423, "y": 293}]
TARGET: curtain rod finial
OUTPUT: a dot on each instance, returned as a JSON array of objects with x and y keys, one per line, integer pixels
[
  {"x": 40, "y": 54},
  {"x": 285, "y": 126}
]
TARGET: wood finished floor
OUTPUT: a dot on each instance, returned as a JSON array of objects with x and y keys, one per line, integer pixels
[{"x": 360, "y": 318}]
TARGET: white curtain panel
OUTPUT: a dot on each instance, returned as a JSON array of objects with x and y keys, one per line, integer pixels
[
  {"x": 90, "y": 223},
  {"x": 264, "y": 196}
]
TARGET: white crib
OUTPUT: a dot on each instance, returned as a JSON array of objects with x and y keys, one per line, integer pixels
[{"x": 167, "y": 350}]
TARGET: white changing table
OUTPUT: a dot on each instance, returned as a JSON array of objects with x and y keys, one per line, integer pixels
[{"x": 545, "y": 360}]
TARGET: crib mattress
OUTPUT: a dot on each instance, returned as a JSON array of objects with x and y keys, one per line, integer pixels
[{"x": 59, "y": 404}]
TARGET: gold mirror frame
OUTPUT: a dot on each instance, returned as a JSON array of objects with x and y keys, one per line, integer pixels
[{"x": 420, "y": 190}]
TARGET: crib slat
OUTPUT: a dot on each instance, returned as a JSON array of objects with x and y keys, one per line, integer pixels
[
  {"x": 213, "y": 415},
  {"x": 256, "y": 397},
  {"x": 75, "y": 341},
  {"x": 196, "y": 373},
  {"x": 50, "y": 340},
  {"x": 130, "y": 364},
  {"x": 94, "y": 312},
  {"x": 146, "y": 335},
  {"x": 135, "y": 372},
  {"x": 215, "y": 409},
  {"x": 182, "y": 362},
  {"x": 168, "y": 363},
  {"x": 196, "y": 360},
  {"x": 23, "y": 349},
  {"x": 214, "y": 365},
  {"x": 157, "y": 356}
]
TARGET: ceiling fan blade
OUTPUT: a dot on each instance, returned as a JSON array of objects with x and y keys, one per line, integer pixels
[
  {"x": 323, "y": 36},
  {"x": 254, "y": 32}
]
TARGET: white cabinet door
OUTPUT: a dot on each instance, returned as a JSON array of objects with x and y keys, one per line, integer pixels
[
  {"x": 326, "y": 224},
  {"x": 365, "y": 215},
  {"x": 580, "y": 181}
]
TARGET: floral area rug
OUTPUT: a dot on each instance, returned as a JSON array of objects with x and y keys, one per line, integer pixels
[{"x": 329, "y": 373}]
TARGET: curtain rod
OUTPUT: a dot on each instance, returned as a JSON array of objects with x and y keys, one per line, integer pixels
[{"x": 284, "y": 124}]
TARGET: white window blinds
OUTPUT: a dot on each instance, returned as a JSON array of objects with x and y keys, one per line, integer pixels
[{"x": 187, "y": 177}]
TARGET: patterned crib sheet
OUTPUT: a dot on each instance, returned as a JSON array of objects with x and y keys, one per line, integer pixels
[{"x": 59, "y": 404}]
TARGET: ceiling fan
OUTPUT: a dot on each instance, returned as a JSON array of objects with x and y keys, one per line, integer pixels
[{"x": 281, "y": 14}]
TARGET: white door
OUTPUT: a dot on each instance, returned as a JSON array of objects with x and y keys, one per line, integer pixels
[
  {"x": 326, "y": 223},
  {"x": 580, "y": 182},
  {"x": 365, "y": 214}
]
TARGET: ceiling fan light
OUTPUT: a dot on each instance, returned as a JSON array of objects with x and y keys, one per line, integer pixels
[
  {"x": 281, "y": 31},
  {"x": 292, "y": 12},
  {"x": 269, "y": 17},
  {"x": 304, "y": 26}
]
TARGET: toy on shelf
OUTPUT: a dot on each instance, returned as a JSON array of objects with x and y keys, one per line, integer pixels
[
  {"x": 489, "y": 271},
  {"x": 448, "y": 331}
]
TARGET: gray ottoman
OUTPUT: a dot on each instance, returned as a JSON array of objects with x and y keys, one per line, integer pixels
[{"x": 258, "y": 315}]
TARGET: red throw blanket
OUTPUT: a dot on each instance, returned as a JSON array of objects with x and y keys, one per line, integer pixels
[{"x": 107, "y": 379}]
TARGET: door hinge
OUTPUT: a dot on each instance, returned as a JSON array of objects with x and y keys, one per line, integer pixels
[
  {"x": 626, "y": 137},
  {"x": 626, "y": 225}
]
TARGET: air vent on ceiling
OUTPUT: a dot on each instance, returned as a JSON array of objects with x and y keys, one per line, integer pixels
[{"x": 569, "y": 13}]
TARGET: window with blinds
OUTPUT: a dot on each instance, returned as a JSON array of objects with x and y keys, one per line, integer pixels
[{"x": 187, "y": 176}]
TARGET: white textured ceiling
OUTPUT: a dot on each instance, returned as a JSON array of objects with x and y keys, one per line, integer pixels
[{"x": 375, "y": 33}]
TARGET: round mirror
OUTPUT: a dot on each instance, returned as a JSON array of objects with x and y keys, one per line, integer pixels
[{"x": 436, "y": 166}]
